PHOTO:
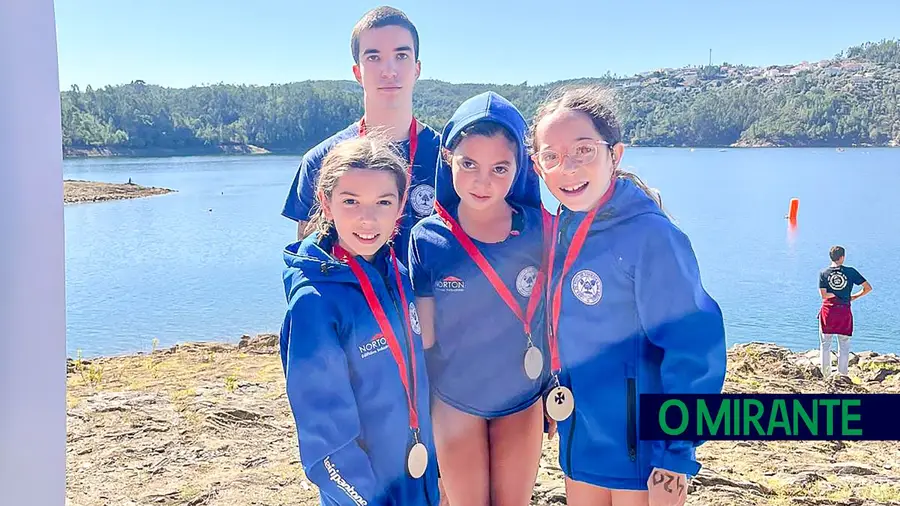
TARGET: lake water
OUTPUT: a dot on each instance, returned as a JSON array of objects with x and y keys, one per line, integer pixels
[{"x": 205, "y": 263}]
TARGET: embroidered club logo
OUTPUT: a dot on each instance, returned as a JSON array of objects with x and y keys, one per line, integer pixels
[
  {"x": 587, "y": 287},
  {"x": 837, "y": 280},
  {"x": 376, "y": 345},
  {"x": 414, "y": 319},
  {"x": 421, "y": 197},
  {"x": 450, "y": 284},
  {"x": 525, "y": 280}
]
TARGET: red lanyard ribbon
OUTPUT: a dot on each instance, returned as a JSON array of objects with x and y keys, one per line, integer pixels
[
  {"x": 572, "y": 253},
  {"x": 413, "y": 143},
  {"x": 385, "y": 326},
  {"x": 492, "y": 275}
]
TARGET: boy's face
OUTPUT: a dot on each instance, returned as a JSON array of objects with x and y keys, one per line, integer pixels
[{"x": 387, "y": 68}]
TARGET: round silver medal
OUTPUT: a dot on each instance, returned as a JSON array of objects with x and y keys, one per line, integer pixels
[
  {"x": 534, "y": 362},
  {"x": 417, "y": 460},
  {"x": 560, "y": 403}
]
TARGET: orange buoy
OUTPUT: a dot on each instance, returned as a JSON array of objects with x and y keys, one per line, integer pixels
[{"x": 792, "y": 214}]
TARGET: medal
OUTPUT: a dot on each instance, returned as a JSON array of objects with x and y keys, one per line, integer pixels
[
  {"x": 560, "y": 401},
  {"x": 417, "y": 457},
  {"x": 534, "y": 362},
  {"x": 417, "y": 460},
  {"x": 534, "y": 359}
]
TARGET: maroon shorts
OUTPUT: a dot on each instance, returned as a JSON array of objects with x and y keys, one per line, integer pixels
[{"x": 835, "y": 317}]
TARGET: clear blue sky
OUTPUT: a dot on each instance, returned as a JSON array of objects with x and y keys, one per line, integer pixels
[{"x": 192, "y": 42}]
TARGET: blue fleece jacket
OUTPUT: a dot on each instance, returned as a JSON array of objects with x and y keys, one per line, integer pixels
[
  {"x": 634, "y": 319},
  {"x": 343, "y": 385},
  {"x": 301, "y": 197},
  {"x": 476, "y": 364}
]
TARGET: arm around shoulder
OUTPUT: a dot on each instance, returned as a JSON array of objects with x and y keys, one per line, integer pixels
[{"x": 324, "y": 406}]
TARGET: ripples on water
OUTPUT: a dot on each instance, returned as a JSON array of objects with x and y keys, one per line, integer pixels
[{"x": 205, "y": 263}]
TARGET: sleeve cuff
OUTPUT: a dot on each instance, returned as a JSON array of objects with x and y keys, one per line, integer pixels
[
  {"x": 680, "y": 462},
  {"x": 295, "y": 208}
]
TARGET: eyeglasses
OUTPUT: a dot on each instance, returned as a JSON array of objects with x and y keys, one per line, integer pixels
[{"x": 582, "y": 152}]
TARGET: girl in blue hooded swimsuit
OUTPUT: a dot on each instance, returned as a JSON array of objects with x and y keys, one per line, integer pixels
[
  {"x": 627, "y": 315},
  {"x": 475, "y": 267}
]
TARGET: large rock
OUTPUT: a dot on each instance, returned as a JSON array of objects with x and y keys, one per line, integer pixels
[
  {"x": 710, "y": 478},
  {"x": 262, "y": 343}
]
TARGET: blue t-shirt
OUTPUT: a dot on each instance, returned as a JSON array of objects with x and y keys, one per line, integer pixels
[
  {"x": 477, "y": 362},
  {"x": 839, "y": 280},
  {"x": 301, "y": 198}
]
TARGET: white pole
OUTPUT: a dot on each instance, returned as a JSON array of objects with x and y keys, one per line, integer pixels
[{"x": 32, "y": 259}]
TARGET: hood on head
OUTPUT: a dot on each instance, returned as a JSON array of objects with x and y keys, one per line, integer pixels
[{"x": 489, "y": 106}]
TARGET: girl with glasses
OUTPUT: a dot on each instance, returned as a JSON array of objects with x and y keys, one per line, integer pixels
[{"x": 627, "y": 315}]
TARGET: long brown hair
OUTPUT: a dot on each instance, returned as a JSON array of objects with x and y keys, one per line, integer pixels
[
  {"x": 597, "y": 103},
  {"x": 372, "y": 152}
]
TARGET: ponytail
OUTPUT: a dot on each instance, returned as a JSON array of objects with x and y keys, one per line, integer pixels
[{"x": 653, "y": 193}]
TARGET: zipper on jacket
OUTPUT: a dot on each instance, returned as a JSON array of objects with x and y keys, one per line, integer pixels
[
  {"x": 571, "y": 444},
  {"x": 632, "y": 423}
]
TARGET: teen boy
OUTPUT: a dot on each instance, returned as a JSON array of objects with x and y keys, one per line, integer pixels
[
  {"x": 385, "y": 48},
  {"x": 835, "y": 317}
]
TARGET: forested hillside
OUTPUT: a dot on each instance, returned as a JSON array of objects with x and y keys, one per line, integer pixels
[{"x": 851, "y": 99}]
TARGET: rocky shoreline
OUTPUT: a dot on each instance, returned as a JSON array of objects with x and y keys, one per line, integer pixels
[
  {"x": 209, "y": 423},
  {"x": 154, "y": 152},
  {"x": 78, "y": 192}
]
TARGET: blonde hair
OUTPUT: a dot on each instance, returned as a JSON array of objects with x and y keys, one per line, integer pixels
[
  {"x": 372, "y": 152},
  {"x": 598, "y": 104}
]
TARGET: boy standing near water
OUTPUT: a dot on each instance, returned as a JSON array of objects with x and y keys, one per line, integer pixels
[
  {"x": 835, "y": 317},
  {"x": 385, "y": 48}
]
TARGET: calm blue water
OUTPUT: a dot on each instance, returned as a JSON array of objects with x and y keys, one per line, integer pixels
[{"x": 205, "y": 263}]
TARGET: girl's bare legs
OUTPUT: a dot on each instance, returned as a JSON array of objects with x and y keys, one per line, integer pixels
[
  {"x": 461, "y": 441},
  {"x": 515, "y": 450},
  {"x": 444, "y": 500},
  {"x": 583, "y": 494},
  {"x": 630, "y": 497},
  {"x": 579, "y": 493}
]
